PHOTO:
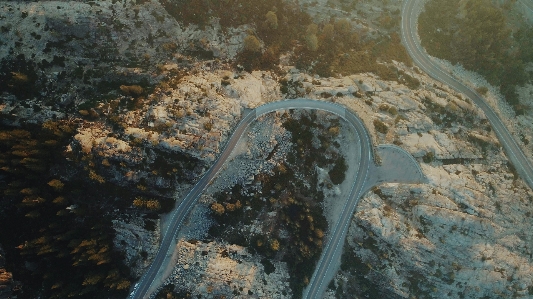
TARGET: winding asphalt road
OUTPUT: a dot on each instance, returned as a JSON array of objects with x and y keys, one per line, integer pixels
[
  {"x": 333, "y": 248},
  {"x": 411, "y": 40}
]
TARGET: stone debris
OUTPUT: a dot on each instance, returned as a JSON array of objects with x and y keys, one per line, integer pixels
[
  {"x": 138, "y": 244},
  {"x": 209, "y": 269}
]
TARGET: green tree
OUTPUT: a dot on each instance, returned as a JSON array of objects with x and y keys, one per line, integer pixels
[
  {"x": 252, "y": 44},
  {"x": 328, "y": 32},
  {"x": 271, "y": 20},
  {"x": 312, "y": 42}
]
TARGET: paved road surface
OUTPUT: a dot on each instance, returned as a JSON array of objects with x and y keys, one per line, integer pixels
[
  {"x": 328, "y": 262},
  {"x": 336, "y": 239},
  {"x": 528, "y": 4},
  {"x": 411, "y": 41}
]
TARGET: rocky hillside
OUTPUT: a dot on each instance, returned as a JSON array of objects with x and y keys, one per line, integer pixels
[{"x": 132, "y": 103}]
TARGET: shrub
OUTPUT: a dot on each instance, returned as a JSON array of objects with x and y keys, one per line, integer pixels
[
  {"x": 380, "y": 126},
  {"x": 338, "y": 173},
  {"x": 428, "y": 157},
  {"x": 383, "y": 107},
  {"x": 328, "y": 31},
  {"x": 312, "y": 42},
  {"x": 272, "y": 20},
  {"x": 482, "y": 90},
  {"x": 132, "y": 90},
  {"x": 252, "y": 44}
]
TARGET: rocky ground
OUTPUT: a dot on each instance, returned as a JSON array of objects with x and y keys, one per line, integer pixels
[
  {"x": 138, "y": 238},
  {"x": 521, "y": 126},
  {"x": 470, "y": 184},
  {"x": 464, "y": 233},
  {"x": 213, "y": 269}
]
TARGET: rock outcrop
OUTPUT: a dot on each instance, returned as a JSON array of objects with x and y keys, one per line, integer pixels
[
  {"x": 464, "y": 233},
  {"x": 212, "y": 268}
]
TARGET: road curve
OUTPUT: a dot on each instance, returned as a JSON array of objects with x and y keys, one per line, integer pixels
[
  {"x": 411, "y": 41},
  {"x": 337, "y": 236}
]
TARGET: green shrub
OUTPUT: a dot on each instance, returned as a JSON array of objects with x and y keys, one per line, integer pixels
[
  {"x": 252, "y": 44},
  {"x": 338, "y": 173},
  {"x": 428, "y": 157},
  {"x": 272, "y": 20}
]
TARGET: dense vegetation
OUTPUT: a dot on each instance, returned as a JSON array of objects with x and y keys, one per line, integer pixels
[
  {"x": 276, "y": 23},
  {"x": 278, "y": 27},
  {"x": 476, "y": 34},
  {"x": 56, "y": 209},
  {"x": 58, "y": 243},
  {"x": 293, "y": 196}
]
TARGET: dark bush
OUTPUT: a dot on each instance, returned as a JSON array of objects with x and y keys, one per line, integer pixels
[
  {"x": 380, "y": 126},
  {"x": 338, "y": 173}
]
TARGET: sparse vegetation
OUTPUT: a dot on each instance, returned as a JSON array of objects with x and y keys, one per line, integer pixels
[{"x": 294, "y": 199}]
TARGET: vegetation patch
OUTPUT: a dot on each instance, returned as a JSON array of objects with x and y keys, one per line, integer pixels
[
  {"x": 56, "y": 219},
  {"x": 475, "y": 34},
  {"x": 289, "y": 207}
]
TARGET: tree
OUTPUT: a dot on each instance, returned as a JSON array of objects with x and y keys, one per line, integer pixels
[
  {"x": 252, "y": 44},
  {"x": 56, "y": 184},
  {"x": 312, "y": 42},
  {"x": 272, "y": 20},
  {"x": 343, "y": 28},
  {"x": 328, "y": 31},
  {"x": 274, "y": 244},
  {"x": 217, "y": 208},
  {"x": 312, "y": 29},
  {"x": 153, "y": 205},
  {"x": 60, "y": 200},
  {"x": 138, "y": 202}
]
